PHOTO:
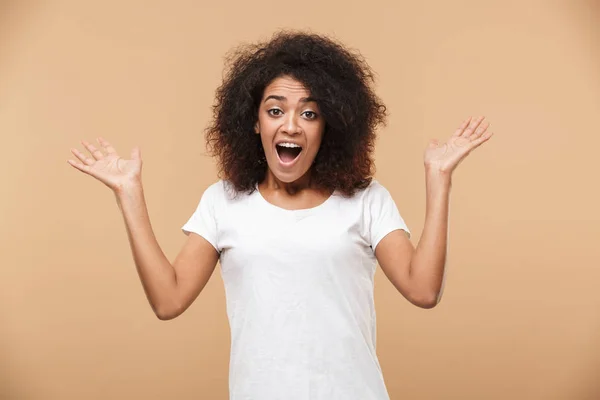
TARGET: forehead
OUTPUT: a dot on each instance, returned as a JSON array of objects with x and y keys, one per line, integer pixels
[{"x": 286, "y": 86}]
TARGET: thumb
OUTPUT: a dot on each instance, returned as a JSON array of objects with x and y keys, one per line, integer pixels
[
  {"x": 136, "y": 153},
  {"x": 433, "y": 143}
]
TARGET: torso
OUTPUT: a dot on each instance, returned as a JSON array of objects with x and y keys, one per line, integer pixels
[{"x": 298, "y": 274}]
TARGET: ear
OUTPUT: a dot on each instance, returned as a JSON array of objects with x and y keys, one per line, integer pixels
[{"x": 257, "y": 128}]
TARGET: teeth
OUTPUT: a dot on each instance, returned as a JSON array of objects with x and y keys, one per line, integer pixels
[{"x": 291, "y": 145}]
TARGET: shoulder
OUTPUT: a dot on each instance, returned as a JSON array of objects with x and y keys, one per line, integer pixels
[
  {"x": 223, "y": 193},
  {"x": 375, "y": 187},
  {"x": 213, "y": 191},
  {"x": 373, "y": 193},
  {"x": 221, "y": 189}
]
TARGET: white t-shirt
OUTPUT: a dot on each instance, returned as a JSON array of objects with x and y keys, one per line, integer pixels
[{"x": 299, "y": 291}]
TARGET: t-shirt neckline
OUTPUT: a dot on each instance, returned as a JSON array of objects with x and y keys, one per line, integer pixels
[{"x": 310, "y": 210}]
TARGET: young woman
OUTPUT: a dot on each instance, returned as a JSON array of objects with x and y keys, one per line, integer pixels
[{"x": 297, "y": 221}]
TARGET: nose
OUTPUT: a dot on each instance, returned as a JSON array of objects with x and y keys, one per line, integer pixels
[{"x": 290, "y": 125}]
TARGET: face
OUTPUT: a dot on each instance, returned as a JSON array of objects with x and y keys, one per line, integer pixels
[{"x": 290, "y": 127}]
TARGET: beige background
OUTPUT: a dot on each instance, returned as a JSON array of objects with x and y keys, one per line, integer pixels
[{"x": 521, "y": 314}]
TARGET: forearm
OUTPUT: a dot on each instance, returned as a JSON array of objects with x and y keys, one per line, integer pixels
[
  {"x": 427, "y": 269},
  {"x": 154, "y": 269}
]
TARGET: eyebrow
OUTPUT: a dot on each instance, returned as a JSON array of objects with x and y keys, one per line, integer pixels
[{"x": 283, "y": 98}]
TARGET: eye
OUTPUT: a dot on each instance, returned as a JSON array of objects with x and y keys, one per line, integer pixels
[
  {"x": 275, "y": 112},
  {"x": 310, "y": 114}
]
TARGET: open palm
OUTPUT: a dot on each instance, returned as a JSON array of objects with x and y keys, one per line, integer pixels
[
  {"x": 470, "y": 135},
  {"x": 107, "y": 166}
]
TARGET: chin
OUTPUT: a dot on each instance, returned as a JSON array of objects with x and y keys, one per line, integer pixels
[{"x": 288, "y": 176}]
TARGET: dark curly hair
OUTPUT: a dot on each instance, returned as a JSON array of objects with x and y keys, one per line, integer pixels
[{"x": 339, "y": 80}]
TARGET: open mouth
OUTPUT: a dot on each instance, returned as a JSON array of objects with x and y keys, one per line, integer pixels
[{"x": 288, "y": 152}]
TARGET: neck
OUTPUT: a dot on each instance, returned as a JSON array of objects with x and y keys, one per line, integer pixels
[{"x": 273, "y": 183}]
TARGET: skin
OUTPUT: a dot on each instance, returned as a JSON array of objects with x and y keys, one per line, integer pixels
[
  {"x": 286, "y": 113},
  {"x": 171, "y": 287},
  {"x": 419, "y": 274}
]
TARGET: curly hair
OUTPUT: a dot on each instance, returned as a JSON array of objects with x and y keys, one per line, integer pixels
[{"x": 339, "y": 80}]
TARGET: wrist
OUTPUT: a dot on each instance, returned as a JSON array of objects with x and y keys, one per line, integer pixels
[
  {"x": 128, "y": 189},
  {"x": 435, "y": 173}
]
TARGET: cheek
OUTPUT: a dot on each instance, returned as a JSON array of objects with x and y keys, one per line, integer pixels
[
  {"x": 265, "y": 129},
  {"x": 315, "y": 138},
  {"x": 266, "y": 125}
]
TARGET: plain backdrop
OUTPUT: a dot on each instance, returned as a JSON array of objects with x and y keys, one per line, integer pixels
[{"x": 520, "y": 318}]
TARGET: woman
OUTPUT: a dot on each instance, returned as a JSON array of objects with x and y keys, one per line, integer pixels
[{"x": 297, "y": 222}]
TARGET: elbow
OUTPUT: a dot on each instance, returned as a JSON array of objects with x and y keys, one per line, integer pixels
[
  {"x": 167, "y": 313},
  {"x": 164, "y": 316},
  {"x": 427, "y": 300},
  {"x": 428, "y": 305}
]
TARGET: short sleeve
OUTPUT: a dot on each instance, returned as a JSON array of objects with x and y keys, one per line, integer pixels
[
  {"x": 383, "y": 215},
  {"x": 204, "y": 219}
]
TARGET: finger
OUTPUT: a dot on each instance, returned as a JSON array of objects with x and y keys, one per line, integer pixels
[
  {"x": 93, "y": 150},
  {"x": 86, "y": 169},
  {"x": 472, "y": 127},
  {"x": 483, "y": 138},
  {"x": 80, "y": 166},
  {"x": 480, "y": 131},
  {"x": 107, "y": 146},
  {"x": 82, "y": 157},
  {"x": 459, "y": 131}
]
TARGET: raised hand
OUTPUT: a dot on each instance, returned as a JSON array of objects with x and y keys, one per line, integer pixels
[
  {"x": 107, "y": 166},
  {"x": 470, "y": 135}
]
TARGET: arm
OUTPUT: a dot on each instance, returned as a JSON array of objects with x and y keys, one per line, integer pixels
[
  {"x": 170, "y": 288},
  {"x": 419, "y": 273}
]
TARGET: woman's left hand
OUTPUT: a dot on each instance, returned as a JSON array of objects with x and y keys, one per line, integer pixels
[{"x": 445, "y": 157}]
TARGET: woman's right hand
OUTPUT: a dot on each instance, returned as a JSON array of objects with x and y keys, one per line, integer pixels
[{"x": 108, "y": 167}]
